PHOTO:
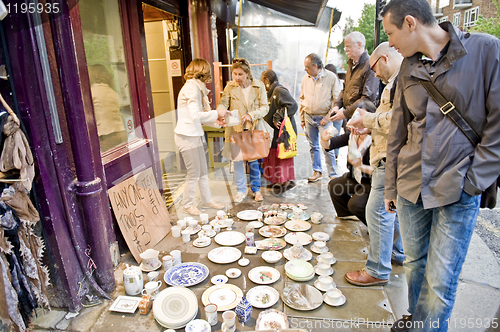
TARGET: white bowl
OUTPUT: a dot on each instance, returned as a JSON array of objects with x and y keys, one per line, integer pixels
[{"x": 271, "y": 256}]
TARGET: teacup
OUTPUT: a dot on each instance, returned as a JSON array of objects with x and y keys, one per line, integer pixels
[
  {"x": 316, "y": 218},
  {"x": 297, "y": 213},
  {"x": 153, "y": 276},
  {"x": 297, "y": 250},
  {"x": 193, "y": 224},
  {"x": 188, "y": 219},
  {"x": 204, "y": 218},
  {"x": 323, "y": 268},
  {"x": 186, "y": 235},
  {"x": 326, "y": 258},
  {"x": 211, "y": 314},
  {"x": 151, "y": 288},
  {"x": 221, "y": 214},
  {"x": 176, "y": 231},
  {"x": 168, "y": 262},
  {"x": 229, "y": 321},
  {"x": 182, "y": 223},
  {"x": 229, "y": 224},
  {"x": 150, "y": 258},
  {"x": 176, "y": 254},
  {"x": 325, "y": 282},
  {"x": 216, "y": 227},
  {"x": 320, "y": 245},
  {"x": 207, "y": 229},
  {"x": 334, "y": 295}
]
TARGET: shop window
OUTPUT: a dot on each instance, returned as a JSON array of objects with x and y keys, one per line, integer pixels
[
  {"x": 456, "y": 19},
  {"x": 471, "y": 16},
  {"x": 104, "y": 51}
]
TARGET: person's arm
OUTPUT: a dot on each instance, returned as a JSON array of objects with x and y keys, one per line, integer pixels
[
  {"x": 370, "y": 91},
  {"x": 195, "y": 105},
  {"x": 484, "y": 168},
  {"x": 285, "y": 99},
  {"x": 380, "y": 122},
  {"x": 302, "y": 106},
  {"x": 339, "y": 141},
  {"x": 262, "y": 105}
]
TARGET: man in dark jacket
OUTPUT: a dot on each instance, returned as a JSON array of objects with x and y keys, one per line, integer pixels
[
  {"x": 434, "y": 174},
  {"x": 360, "y": 82}
]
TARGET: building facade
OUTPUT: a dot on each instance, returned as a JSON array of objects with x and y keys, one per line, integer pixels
[{"x": 462, "y": 13}]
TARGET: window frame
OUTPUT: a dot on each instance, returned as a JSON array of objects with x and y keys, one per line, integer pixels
[
  {"x": 457, "y": 17},
  {"x": 467, "y": 17}
]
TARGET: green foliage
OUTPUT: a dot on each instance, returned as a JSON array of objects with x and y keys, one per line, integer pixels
[
  {"x": 365, "y": 25},
  {"x": 492, "y": 25}
]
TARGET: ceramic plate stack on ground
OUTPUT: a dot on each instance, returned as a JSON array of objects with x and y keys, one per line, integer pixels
[
  {"x": 262, "y": 296},
  {"x": 299, "y": 270},
  {"x": 301, "y": 297},
  {"x": 249, "y": 215},
  {"x": 272, "y": 320},
  {"x": 174, "y": 307},
  {"x": 186, "y": 274},
  {"x": 225, "y": 296}
]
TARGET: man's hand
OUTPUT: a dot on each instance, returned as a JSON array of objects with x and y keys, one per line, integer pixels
[
  {"x": 324, "y": 121},
  {"x": 355, "y": 162},
  {"x": 358, "y": 123},
  {"x": 390, "y": 205},
  {"x": 339, "y": 115}
]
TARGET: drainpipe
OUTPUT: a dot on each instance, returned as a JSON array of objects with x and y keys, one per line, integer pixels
[{"x": 87, "y": 186}]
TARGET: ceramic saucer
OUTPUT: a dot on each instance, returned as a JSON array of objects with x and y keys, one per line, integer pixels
[
  {"x": 319, "y": 251},
  {"x": 148, "y": 269},
  {"x": 219, "y": 279},
  {"x": 332, "y": 286},
  {"x": 328, "y": 273},
  {"x": 212, "y": 233},
  {"x": 340, "y": 302},
  {"x": 199, "y": 244},
  {"x": 331, "y": 262},
  {"x": 233, "y": 273},
  {"x": 320, "y": 236},
  {"x": 256, "y": 224},
  {"x": 306, "y": 255},
  {"x": 243, "y": 262}
]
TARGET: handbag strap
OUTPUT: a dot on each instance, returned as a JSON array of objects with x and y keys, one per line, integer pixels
[{"x": 447, "y": 108}]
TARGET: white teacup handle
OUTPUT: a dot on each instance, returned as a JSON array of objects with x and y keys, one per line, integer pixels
[
  {"x": 159, "y": 283},
  {"x": 224, "y": 327},
  {"x": 138, "y": 281},
  {"x": 144, "y": 290}
]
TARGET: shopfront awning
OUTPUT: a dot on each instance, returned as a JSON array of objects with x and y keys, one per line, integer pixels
[{"x": 308, "y": 10}]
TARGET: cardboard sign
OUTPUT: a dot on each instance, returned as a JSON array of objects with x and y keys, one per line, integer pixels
[{"x": 141, "y": 212}]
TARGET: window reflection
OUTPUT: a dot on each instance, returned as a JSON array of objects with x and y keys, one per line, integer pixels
[{"x": 103, "y": 42}]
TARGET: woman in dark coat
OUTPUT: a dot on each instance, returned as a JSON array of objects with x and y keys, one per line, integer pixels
[{"x": 280, "y": 172}]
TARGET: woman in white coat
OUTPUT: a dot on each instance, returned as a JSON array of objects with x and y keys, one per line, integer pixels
[{"x": 194, "y": 111}]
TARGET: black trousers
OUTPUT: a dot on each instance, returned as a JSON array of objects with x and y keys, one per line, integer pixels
[{"x": 349, "y": 197}]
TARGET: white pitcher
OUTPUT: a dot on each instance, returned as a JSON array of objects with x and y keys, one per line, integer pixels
[{"x": 132, "y": 280}]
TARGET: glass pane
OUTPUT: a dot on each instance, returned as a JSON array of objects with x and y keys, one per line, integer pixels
[{"x": 103, "y": 41}]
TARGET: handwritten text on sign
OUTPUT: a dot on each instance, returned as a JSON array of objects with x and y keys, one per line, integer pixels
[{"x": 140, "y": 211}]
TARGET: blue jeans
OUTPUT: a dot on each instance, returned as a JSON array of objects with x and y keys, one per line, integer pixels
[
  {"x": 381, "y": 227},
  {"x": 313, "y": 132},
  {"x": 435, "y": 243},
  {"x": 241, "y": 179}
]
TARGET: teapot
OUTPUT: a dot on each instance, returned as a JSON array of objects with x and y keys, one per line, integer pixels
[{"x": 132, "y": 280}]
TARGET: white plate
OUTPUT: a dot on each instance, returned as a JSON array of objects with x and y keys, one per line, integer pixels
[
  {"x": 175, "y": 306},
  {"x": 199, "y": 244},
  {"x": 301, "y": 279},
  {"x": 262, "y": 296},
  {"x": 225, "y": 296},
  {"x": 243, "y": 262},
  {"x": 271, "y": 243},
  {"x": 297, "y": 225},
  {"x": 340, "y": 302},
  {"x": 319, "y": 251},
  {"x": 298, "y": 237},
  {"x": 299, "y": 269},
  {"x": 256, "y": 224},
  {"x": 321, "y": 288},
  {"x": 271, "y": 256},
  {"x": 224, "y": 255},
  {"x": 263, "y": 275},
  {"x": 249, "y": 215},
  {"x": 272, "y": 320},
  {"x": 230, "y": 238},
  {"x": 198, "y": 325},
  {"x": 274, "y": 221},
  {"x": 321, "y": 236},
  {"x": 306, "y": 255},
  {"x": 304, "y": 216},
  {"x": 328, "y": 273},
  {"x": 272, "y": 231},
  {"x": 233, "y": 273},
  {"x": 194, "y": 230},
  {"x": 146, "y": 269},
  {"x": 301, "y": 297},
  {"x": 126, "y": 304},
  {"x": 219, "y": 279}
]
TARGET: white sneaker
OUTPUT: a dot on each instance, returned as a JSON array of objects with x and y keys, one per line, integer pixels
[{"x": 239, "y": 197}]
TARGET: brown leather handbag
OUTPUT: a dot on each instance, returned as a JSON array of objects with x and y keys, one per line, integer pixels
[{"x": 250, "y": 145}]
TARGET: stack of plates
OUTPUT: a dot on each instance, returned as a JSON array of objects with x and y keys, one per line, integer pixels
[
  {"x": 174, "y": 307},
  {"x": 299, "y": 270}
]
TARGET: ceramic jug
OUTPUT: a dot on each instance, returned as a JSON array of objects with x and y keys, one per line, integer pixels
[
  {"x": 243, "y": 311},
  {"x": 132, "y": 280}
]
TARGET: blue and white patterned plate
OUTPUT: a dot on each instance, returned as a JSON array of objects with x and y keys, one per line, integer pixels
[{"x": 186, "y": 274}]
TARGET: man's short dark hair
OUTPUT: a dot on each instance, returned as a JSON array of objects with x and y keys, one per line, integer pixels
[
  {"x": 315, "y": 60},
  {"x": 331, "y": 68},
  {"x": 420, "y": 9}
]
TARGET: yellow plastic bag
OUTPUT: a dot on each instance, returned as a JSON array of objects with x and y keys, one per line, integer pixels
[{"x": 287, "y": 146}]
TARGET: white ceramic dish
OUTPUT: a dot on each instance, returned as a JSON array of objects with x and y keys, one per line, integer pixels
[
  {"x": 297, "y": 225},
  {"x": 271, "y": 256},
  {"x": 326, "y": 273},
  {"x": 224, "y": 255},
  {"x": 262, "y": 296},
  {"x": 301, "y": 297},
  {"x": 186, "y": 274},
  {"x": 233, "y": 273},
  {"x": 304, "y": 216},
  {"x": 147, "y": 269},
  {"x": 225, "y": 296},
  {"x": 274, "y": 221},
  {"x": 320, "y": 236},
  {"x": 249, "y": 215},
  {"x": 306, "y": 255},
  {"x": 230, "y": 238},
  {"x": 319, "y": 251},
  {"x": 200, "y": 244},
  {"x": 301, "y": 279},
  {"x": 272, "y": 320},
  {"x": 272, "y": 231},
  {"x": 271, "y": 243},
  {"x": 323, "y": 289},
  {"x": 264, "y": 275},
  {"x": 299, "y": 268},
  {"x": 256, "y": 224},
  {"x": 298, "y": 237},
  {"x": 219, "y": 279},
  {"x": 243, "y": 262},
  {"x": 126, "y": 304},
  {"x": 340, "y": 302},
  {"x": 175, "y": 306},
  {"x": 198, "y": 325}
]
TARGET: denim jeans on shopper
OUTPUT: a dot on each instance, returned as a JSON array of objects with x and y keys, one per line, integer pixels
[
  {"x": 435, "y": 242},
  {"x": 241, "y": 179},
  {"x": 381, "y": 225},
  {"x": 313, "y": 132}
]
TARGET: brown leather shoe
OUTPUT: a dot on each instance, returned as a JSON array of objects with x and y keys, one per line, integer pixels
[
  {"x": 362, "y": 278},
  {"x": 315, "y": 177}
]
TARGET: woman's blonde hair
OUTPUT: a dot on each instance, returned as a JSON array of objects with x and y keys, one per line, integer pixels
[
  {"x": 243, "y": 64},
  {"x": 199, "y": 69}
]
